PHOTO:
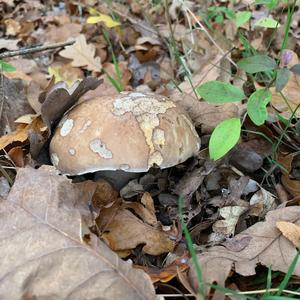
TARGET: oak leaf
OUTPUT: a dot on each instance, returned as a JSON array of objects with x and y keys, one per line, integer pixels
[
  {"x": 82, "y": 54},
  {"x": 265, "y": 245}
]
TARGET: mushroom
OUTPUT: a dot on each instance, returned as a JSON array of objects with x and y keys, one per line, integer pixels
[{"x": 131, "y": 132}]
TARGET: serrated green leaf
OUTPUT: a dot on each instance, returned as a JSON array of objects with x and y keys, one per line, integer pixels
[
  {"x": 257, "y": 63},
  {"x": 6, "y": 67},
  {"x": 295, "y": 69},
  {"x": 242, "y": 17},
  {"x": 256, "y": 106},
  {"x": 224, "y": 138},
  {"x": 282, "y": 79},
  {"x": 219, "y": 92},
  {"x": 267, "y": 23}
]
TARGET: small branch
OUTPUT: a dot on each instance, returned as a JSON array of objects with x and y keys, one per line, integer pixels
[{"x": 25, "y": 51}]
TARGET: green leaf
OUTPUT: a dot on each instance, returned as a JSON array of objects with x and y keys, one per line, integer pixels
[
  {"x": 257, "y": 63},
  {"x": 219, "y": 19},
  {"x": 256, "y": 106},
  {"x": 295, "y": 69},
  {"x": 5, "y": 67},
  {"x": 282, "y": 78},
  {"x": 269, "y": 3},
  {"x": 224, "y": 138},
  {"x": 219, "y": 92},
  {"x": 242, "y": 17},
  {"x": 267, "y": 23}
]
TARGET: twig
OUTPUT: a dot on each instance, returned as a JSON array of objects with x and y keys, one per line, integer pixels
[{"x": 34, "y": 49}]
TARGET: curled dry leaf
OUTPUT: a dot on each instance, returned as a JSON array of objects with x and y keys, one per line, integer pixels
[
  {"x": 167, "y": 273},
  {"x": 290, "y": 231},
  {"x": 267, "y": 246},
  {"x": 82, "y": 54},
  {"x": 42, "y": 252},
  {"x": 123, "y": 230},
  {"x": 59, "y": 98},
  {"x": 23, "y": 131},
  {"x": 231, "y": 215}
]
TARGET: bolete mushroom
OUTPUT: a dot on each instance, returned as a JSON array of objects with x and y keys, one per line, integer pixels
[{"x": 132, "y": 132}]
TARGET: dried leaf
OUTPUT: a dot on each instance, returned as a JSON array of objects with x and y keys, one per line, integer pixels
[
  {"x": 65, "y": 72},
  {"x": 59, "y": 98},
  {"x": 9, "y": 44},
  {"x": 43, "y": 253},
  {"x": 123, "y": 230},
  {"x": 231, "y": 215},
  {"x": 264, "y": 201},
  {"x": 82, "y": 54},
  {"x": 267, "y": 247},
  {"x": 22, "y": 132},
  {"x": 59, "y": 34},
  {"x": 291, "y": 185},
  {"x": 205, "y": 115},
  {"x": 14, "y": 103},
  {"x": 168, "y": 272},
  {"x": 107, "y": 20},
  {"x": 290, "y": 231}
]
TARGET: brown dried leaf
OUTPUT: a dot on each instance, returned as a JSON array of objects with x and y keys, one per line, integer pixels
[
  {"x": 14, "y": 104},
  {"x": 267, "y": 247},
  {"x": 82, "y": 54},
  {"x": 168, "y": 272},
  {"x": 13, "y": 27},
  {"x": 291, "y": 93},
  {"x": 124, "y": 230},
  {"x": 206, "y": 115},
  {"x": 59, "y": 98},
  {"x": 290, "y": 231},
  {"x": 231, "y": 215},
  {"x": 60, "y": 34},
  {"x": 111, "y": 70},
  {"x": 22, "y": 131},
  {"x": 291, "y": 185},
  {"x": 42, "y": 248}
]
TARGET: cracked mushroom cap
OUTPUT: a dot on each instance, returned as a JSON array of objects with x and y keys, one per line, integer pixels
[{"x": 132, "y": 132}]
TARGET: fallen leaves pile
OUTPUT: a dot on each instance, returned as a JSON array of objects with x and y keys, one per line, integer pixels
[{"x": 79, "y": 238}]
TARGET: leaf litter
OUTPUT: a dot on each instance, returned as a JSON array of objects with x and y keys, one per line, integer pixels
[
  {"x": 72, "y": 227},
  {"x": 42, "y": 241}
]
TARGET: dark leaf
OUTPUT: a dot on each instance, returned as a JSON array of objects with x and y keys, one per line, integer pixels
[
  {"x": 257, "y": 63},
  {"x": 295, "y": 69},
  {"x": 282, "y": 79},
  {"x": 60, "y": 98}
]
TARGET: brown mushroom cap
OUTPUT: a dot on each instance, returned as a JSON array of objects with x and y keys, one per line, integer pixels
[{"x": 132, "y": 131}]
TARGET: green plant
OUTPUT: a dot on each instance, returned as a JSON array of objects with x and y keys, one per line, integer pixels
[
  {"x": 260, "y": 66},
  {"x": 6, "y": 67},
  {"x": 116, "y": 82}
]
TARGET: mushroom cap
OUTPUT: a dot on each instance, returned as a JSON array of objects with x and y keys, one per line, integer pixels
[{"x": 132, "y": 132}]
